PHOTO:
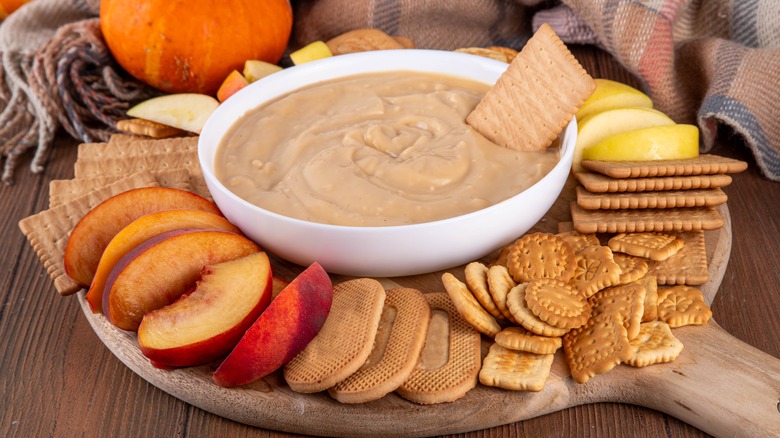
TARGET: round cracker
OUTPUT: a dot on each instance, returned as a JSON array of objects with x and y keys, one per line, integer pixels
[
  {"x": 476, "y": 275},
  {"x": 557, "y": 303},
  {"x": 517, "y": 305},
  {"x": 468, "y": 306},
  {"x": 499, "y": 285},
  {"x": 541, "y": 255}
]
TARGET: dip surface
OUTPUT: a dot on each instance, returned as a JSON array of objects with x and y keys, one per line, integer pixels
[{"x": 373, "y": 150}]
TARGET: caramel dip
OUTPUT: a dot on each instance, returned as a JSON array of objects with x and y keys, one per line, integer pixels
[{"x": 374, "y": 150}]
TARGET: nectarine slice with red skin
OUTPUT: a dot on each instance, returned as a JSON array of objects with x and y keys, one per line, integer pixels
[
  {"x": 141, "y": 229},
  {"x": 286, "y": 327},
  {"x": 207, "y": 323},
  {"x": 95, "y": 230},
  {"x": 158, "y": 271}
]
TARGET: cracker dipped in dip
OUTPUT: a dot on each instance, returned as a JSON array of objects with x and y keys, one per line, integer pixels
[{"x": 374, "y": 149}]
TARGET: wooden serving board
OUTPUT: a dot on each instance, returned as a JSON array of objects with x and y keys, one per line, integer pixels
[{"x": 718, "y": 383}]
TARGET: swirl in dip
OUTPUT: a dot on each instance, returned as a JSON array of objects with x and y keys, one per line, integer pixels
[{"x": 374, "y": 150}]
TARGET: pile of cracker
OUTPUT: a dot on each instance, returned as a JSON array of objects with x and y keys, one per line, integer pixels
[
  {"x": 101, "y": 171},
  {"x": 602, "y": 303},
  {"x": 664, "y": 195},
  {"x": 378, "y": 341}
]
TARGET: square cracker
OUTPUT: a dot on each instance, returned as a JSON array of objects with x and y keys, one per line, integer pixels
[
  {"x": 536, "y": 97},
  {"x": 659, "y": 199},
  {"x": 65, "y": 190},
  {"x": 641, "y": 220},
  {"x": 515, "y": 370},
  {"x": 598, "y": 183},
  {"x": 687, "y": 266},
  {"x": 88, "y": 168},
  {"x": 702, "y": 165},
  {"x": 136, "y": 148}
]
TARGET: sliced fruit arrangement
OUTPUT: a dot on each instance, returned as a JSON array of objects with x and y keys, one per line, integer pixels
[
  {"x": 207, "y": 323},
  {"x": 292, "y": 320},
  {"x": 94, "y": 231},
  {"x": 598, "y": 126},
  {"x": 611, "y": 94},
  {"x": 618, "y": 123},
  {"x": 172, "y": 268},
  {"x": 140, "y": 230},
  {"x": 669, "y": 142}
]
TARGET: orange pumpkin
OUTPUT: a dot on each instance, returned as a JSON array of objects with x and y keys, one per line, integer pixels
[
  {"x": 183, "y": 46},
  {"x": 9, "y": 6}
]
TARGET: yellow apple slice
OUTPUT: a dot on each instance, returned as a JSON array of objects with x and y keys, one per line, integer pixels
[
  {"x": 311, "y": 52},
  {"x": 255, "y": 69},
  {"x": 598, "y": 126},
  {"x": 670, "y": 142},
  {"x": 187, "y": 111},
  {"x": 612, "y": 94}
]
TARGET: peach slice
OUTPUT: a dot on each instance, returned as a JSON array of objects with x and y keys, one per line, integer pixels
[
  {"x": 286, "y": 327},
  {"x": 141, "y": 229},
  {"x": 206, "y": 324},
  {"x": 161, "y": 269},
  {"x": 95, "y": 230},
  {"x": 230, "y": 86}
]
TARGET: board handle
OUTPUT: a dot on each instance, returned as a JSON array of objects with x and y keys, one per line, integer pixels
[{"x": 719, "y": 384}]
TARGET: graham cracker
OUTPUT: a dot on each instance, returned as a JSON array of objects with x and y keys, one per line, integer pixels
[
  {"x": 661, "y": 199},
  {"x": 688, "y": 266},
  {"x": 536, "y": 97},
  {"x": 136, "y": 148},
  {"x": 64, "y": 190},
  {"x": 641, "y": 220},
  {"x": 598, "y": 183},
  {"x": 88, "y": 168},
  {"x": 48, "y": 231},
  {"x": 702, "y": 165},
  {"x": 124, "y": 138}
]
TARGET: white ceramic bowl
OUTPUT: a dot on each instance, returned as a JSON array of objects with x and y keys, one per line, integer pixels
[{"x": 379, "y": 251}]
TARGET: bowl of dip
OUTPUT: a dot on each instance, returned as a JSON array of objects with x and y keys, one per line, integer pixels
[{"x": 364, "y": 164}]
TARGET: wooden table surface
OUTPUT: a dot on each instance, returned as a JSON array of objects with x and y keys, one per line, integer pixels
[{"x": 58, "y": 379}]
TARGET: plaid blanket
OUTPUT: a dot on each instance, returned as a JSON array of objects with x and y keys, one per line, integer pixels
[{"x": 713, "y": 63}]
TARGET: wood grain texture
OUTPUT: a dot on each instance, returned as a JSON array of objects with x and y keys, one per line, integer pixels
[
  {"x": 58, "y": 379},
  {"x": 683, "y": 388}
]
